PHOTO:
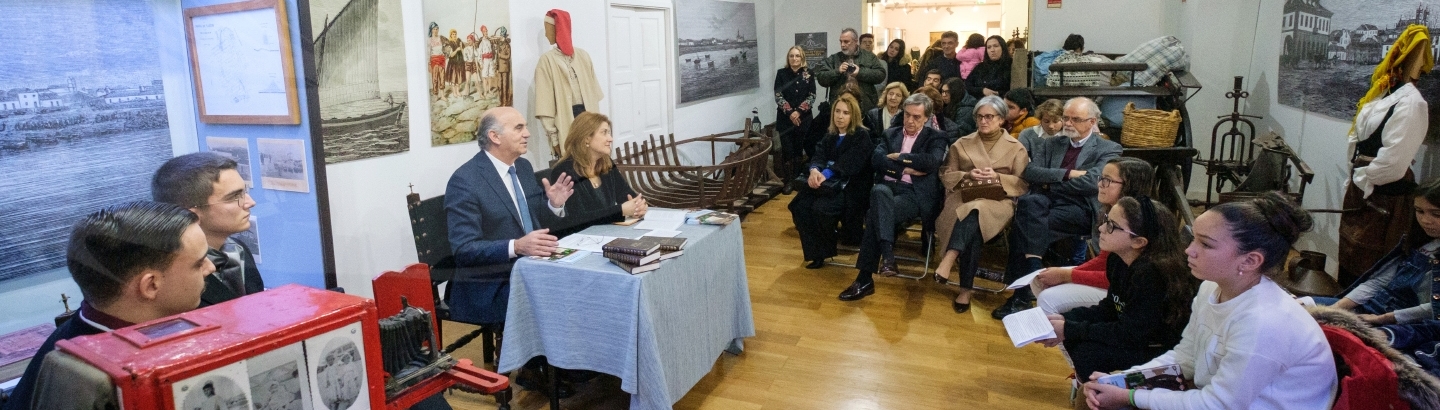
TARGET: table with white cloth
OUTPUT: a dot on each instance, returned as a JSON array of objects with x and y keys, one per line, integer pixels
[{"x": 658, "y": 331}]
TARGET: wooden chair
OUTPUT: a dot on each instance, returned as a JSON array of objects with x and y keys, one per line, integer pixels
[{"x": 432, "y": 247}]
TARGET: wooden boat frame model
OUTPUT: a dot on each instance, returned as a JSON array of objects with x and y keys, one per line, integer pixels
[{"x": 654, "y": 169}]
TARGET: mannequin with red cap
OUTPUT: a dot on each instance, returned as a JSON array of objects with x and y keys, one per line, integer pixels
[{"x": 565, "y": 83}]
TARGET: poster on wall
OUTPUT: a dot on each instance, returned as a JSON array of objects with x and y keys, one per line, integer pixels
[
  {"x": 278, "y": 379},
  {"x": 237, "y": 149},
  {"x": 251, "y": 238},
  {"x": 467, "y": 45},
  {"x": 282, "y": 165},
  {"x": 223, "y": 388},
  {"x": 718, "y": 49},
  {"x": 242, "y": 63},
  {"x": 67, "y": 116},
  {"x": 360, "y": 64},
  {"x": 1331, "y": 47},
  {"x": 336, "y": 367},
  {"x": 815, "y": 47}
]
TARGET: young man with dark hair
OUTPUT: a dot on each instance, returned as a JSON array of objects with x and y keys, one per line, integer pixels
[
  {"x": 134, "y": 263},
  {"x": 209, "y": 185}
]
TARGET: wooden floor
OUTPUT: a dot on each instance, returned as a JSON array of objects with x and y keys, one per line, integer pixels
[{"x": 902, "y": 348}]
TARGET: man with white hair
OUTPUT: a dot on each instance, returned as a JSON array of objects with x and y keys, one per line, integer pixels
[{"x": 1063, "y": 174}]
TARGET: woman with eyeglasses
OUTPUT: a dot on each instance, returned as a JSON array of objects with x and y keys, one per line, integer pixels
[
  {"x": 1148, "y": 303},
  {"x": 1248, "y": 344},
  {"x": 989, "y": 157},
  {"x": 1059, "y": 289}
]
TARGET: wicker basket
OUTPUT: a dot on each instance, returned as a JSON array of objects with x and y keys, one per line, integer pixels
[{"x": 1149, "y": 128}]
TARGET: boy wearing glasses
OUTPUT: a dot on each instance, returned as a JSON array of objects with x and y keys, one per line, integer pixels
[
  {"x": 1062, "y": 201},
  {"x": 209, "y": 185}
]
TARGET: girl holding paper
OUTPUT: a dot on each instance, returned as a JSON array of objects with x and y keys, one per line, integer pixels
[
  {"x": 1249, "y": 344},
  {"x": 1148, "y": 302}
]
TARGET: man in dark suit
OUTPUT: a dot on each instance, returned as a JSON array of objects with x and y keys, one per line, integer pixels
[
  {"x": 497, "y": 212},
  {"x": 134, "y": 263},
  {"x": 907, "y": 161},
  {"x": 210, "y": 185},
  {"x": 1062, "y": 203}
]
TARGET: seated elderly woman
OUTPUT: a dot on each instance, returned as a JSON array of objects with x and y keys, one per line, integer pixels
[
  {"x": 981, "y": 178},
  {"x": 842, "y": 155},
  {"x": 601, "y": 193}
]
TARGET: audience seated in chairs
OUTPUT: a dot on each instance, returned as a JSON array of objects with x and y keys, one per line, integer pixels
[
  {"x": 601, "y": 193},
  {"x": 1397, "y": 290},
  {"x": 1062, "y": 202},
  {"x": 1060, "y": 289},
  {"x": 883, "y": 116},
  {"x": 907, "y": 161},
  {"x": 1148, "y": 303},
  {"x": 1248, "y": 344},
  {"x": 991, "y": 161},
  {"x": 842, "y": 156}
]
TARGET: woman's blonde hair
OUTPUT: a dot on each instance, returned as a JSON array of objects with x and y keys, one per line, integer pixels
[
  {"x": 577, "y": 145},
  {"x": 855, "y": 115},
  {"x": 786, "y": 62},
  {"x": 904, "y": 92}
]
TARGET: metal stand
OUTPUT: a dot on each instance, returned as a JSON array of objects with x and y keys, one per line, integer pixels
[{"x": 1231, "y": 151}]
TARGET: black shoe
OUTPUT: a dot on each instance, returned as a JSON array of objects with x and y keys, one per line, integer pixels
[
  {"x": 536, "y": 381},
  {"x": 1012, "y": 305},
  {"x": 887, "y": 266},
  {"x": 959, "y": 307},
  {"x": 816, "y": 264},
  {"x": 857, "y": 291}
]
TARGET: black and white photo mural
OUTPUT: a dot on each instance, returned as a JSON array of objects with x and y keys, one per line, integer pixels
[
  {"x": 1331, "y": 48},
  {"x": 718, "y": 49},
  {"x": 82, "y": 120},
  {"x": 360, "y": 63}
]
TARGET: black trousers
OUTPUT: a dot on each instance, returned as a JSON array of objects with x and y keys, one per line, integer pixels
[
  {"x": 966, "y": 238},
  {"x": 857, "y": 204},
  {"x": 1041, "y": 218},
  {"x": 1090, "y": 356},
  {"x": 815, "y": 218},
  {"x": 892, "y": 204}
]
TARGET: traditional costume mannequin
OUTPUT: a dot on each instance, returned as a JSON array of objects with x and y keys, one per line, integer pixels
[
  {"x": 565, "y": 83},
  {"x": 1387, "y": 132}
]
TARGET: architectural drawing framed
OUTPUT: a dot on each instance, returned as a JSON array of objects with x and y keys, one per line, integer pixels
[{"x": 241, "y": 59}]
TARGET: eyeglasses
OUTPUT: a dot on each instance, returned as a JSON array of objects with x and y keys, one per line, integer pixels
[
  {"x": 1105, "y": 182},
  {"x": 986, "y": 117},
  {"x": 1076, "y": 120},
  {"x": 239, "y": 199},
  {"x": 1114, "y": 227}
]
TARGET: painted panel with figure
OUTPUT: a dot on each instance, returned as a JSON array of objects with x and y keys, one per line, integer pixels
[
  {"x": 467, "y": 46},
  {"x": 82, "y": 121},
  {"x": 719, "y": 54},
  {"x": 359, "y": 58},
  {"x": 1331, "y": 47}
]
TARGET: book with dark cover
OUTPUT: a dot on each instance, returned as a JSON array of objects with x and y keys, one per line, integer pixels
[
  {"x": 634, "y": 259},
  {"x": 631, "y": 246},
  {"x": 667, "y": 244},
  {"x": 634, "y": 269}
]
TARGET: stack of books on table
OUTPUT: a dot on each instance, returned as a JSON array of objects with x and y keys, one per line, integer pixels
[{"x": 643, "y": 254}]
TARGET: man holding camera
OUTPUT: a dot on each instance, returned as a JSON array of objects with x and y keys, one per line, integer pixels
[{"x": 851, "y": 63}]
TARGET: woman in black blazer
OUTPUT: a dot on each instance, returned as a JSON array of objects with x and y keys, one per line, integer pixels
[
  {"x": 601, "y": 193},
  {"x": 842, "y": 155}
]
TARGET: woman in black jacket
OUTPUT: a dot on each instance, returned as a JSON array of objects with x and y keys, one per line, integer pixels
[
  {"x": 1148, "y": 303},
  {"x": 794, "y": 93},
  {"x": 840, "y": 156},
  {"x": 992, "y": 76},
  {"x": 601, "y": 194},
  {"x": 897, "y": 66}
]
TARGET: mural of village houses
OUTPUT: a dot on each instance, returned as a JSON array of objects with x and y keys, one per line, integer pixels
[
  {"x": 1331, "y": 48},
  {"x": 92, "y": 115},
  {"x": 467, "y": 43}
]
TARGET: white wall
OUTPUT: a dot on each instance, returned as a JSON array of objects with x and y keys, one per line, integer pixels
[{"x": 1111, "y": 26}]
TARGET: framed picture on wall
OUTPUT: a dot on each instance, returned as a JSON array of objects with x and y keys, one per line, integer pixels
[{"x": 240, "y": 57}]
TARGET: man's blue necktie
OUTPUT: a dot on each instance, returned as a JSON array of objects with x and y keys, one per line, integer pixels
[{"x": 520, "y": 200}]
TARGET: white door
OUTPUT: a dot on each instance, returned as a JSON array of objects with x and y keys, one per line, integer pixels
[{"x": 640, "y": 73}]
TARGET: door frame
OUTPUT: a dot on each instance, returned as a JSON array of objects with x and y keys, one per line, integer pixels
[{"x": 671, "y": 92}]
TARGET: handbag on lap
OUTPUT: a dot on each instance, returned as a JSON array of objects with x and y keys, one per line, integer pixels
[{"x": 991, "y": 189}]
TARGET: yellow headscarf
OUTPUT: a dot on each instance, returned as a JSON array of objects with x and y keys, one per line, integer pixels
[{"x": 1415, "y": 39}]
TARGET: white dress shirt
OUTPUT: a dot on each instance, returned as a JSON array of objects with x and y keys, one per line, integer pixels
[{"x": 504, "y": 170}]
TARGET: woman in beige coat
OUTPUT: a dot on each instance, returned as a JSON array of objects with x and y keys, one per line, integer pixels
[{"x": 989, "y": 154}]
